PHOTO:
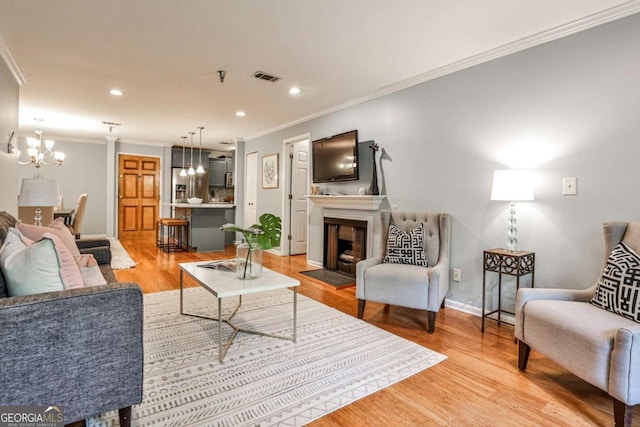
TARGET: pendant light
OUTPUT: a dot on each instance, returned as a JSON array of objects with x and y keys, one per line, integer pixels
[
  {"x": 200, "y": 168},
  {"x": 191, "y": 171},
  {"x": 183, "y": 171}
]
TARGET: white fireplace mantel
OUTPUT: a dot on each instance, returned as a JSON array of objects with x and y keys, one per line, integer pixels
[{"x": 360, "y": 203}]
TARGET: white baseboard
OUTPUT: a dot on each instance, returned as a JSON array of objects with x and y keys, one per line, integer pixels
[
  {"x": 477, "y": 311},
  {"x": 314, "y": 263},
  {"x": 460, "y": 306}
]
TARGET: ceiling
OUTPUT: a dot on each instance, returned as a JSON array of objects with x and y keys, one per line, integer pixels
[{"x": 165, "y": 56}]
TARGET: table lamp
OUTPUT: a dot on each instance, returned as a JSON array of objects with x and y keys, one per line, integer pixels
[
  {"x": 512, "y": 186},
  {"x": 38, "y": 193}
]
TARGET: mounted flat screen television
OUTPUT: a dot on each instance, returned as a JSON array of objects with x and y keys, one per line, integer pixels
[{"x": 336, "y": 158}]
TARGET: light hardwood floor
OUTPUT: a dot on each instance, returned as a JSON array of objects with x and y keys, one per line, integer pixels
[{"x": 478, "y": 385}]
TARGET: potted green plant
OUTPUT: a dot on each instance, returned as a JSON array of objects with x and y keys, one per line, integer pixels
[{"x": 264, "y": 235}]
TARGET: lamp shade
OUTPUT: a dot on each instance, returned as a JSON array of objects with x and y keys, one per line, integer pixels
[
  {"x": 38, "y": 192},
  {"x": 512, "y": 185}
]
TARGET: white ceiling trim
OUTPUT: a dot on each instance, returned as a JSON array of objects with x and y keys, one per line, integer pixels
[
  {"x": 11, "y": 64},
  {"x": 617, "y": 12}
]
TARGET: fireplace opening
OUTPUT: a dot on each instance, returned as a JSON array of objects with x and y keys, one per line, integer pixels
[{"x": 345, "y": 243}]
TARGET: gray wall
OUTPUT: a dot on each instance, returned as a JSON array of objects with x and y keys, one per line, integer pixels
[
  {"x": 9, "y": 97},
  {"x": 566, "y": 108},
  {"x": 83, "y": 171}
]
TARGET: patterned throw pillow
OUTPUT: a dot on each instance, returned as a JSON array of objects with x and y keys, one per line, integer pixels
[
  {"x": 618, "y": 289},
  {"x": 406, "y": 248}
]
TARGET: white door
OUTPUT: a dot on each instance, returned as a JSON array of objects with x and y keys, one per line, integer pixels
[
  {"x": 251, "y": 189},
  {"x": 298, "y": 183}
]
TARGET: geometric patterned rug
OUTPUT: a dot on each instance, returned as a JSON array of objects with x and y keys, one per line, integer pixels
[{"x": 263, "y": 381}]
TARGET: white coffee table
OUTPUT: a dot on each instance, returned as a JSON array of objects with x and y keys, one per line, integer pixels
[{"x": 224, "y": 284}]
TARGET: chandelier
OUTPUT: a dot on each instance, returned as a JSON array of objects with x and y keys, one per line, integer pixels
[{"x": 41, "y": 155}]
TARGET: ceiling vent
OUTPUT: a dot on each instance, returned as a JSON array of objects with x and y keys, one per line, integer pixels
[
  {"x": 266, "y": 76},
  {"x": 226, "y": 143}
]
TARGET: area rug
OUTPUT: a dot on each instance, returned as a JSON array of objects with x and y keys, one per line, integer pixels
[
  {"x": 120, "y": 258},
  {"x": 263, "y": 381},
  {"x": 332, "y": 278}
]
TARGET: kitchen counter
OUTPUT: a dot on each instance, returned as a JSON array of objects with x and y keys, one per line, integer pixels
[{"x": 205, "y": 221}]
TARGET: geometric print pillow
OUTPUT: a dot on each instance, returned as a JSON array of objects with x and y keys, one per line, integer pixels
[
  {"x": 619, "y": 286},
  {"x": 406, "y": 248}
]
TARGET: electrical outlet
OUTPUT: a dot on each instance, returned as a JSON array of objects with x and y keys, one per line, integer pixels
[{"x": 456, "y": 274}]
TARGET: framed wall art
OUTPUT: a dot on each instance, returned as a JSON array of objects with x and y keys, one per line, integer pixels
[{"x": 270, "y": 171}]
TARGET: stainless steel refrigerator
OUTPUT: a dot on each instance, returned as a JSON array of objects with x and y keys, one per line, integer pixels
[{"x": 184, "y": 187}]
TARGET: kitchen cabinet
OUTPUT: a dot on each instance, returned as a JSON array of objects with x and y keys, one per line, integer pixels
[
  {"x": 176, "y": 157},
  {"x": 217, "y": 169}
]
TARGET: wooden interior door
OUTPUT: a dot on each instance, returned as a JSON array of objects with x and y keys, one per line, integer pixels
[{"x": 138, "y": 196}]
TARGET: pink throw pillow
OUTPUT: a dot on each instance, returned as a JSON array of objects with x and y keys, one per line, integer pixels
[
  {"x": 86, "y": 260},
  {"x": 57, "y": 228},
  {"x": 92, "y": 276},
  {"x": 69, "y": 270}
]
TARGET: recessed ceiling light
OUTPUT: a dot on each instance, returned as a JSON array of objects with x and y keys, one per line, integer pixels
[
  {"x": 295, "y": 90},
  {"x": 240, "y": 113},
  {"x": 115, "y": 92}
]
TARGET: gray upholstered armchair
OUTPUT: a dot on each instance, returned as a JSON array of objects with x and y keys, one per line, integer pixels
[
  {"x": 410, "y": 286},
  {"x": 597, "y": 345}
]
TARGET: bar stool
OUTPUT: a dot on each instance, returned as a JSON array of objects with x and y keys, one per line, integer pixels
[
  {"x": 177, "y": 234},
  {"x": 160, "y": 242}
]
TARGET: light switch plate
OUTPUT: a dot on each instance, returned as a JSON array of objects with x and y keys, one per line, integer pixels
[{"x": 569, "y": 186}]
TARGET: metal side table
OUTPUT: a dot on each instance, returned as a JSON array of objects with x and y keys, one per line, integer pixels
[{"x": 511, "y": 263}]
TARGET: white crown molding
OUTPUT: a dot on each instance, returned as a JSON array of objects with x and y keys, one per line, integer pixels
[
  {"x": 65, "y": 138},
  {"x": 608, "y": 15},
  {"x": 11, "y": 64}
]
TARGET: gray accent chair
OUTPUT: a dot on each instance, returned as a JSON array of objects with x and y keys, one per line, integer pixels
[
  {"x": 597, "y": 345},
  {"x": 423, "y": 288}
]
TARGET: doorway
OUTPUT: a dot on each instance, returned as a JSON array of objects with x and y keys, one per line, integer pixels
[
  {"x": 138, "y": 196},
  {"x": 250, "y": 189},
  {"x": 295, "y": 203}
]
